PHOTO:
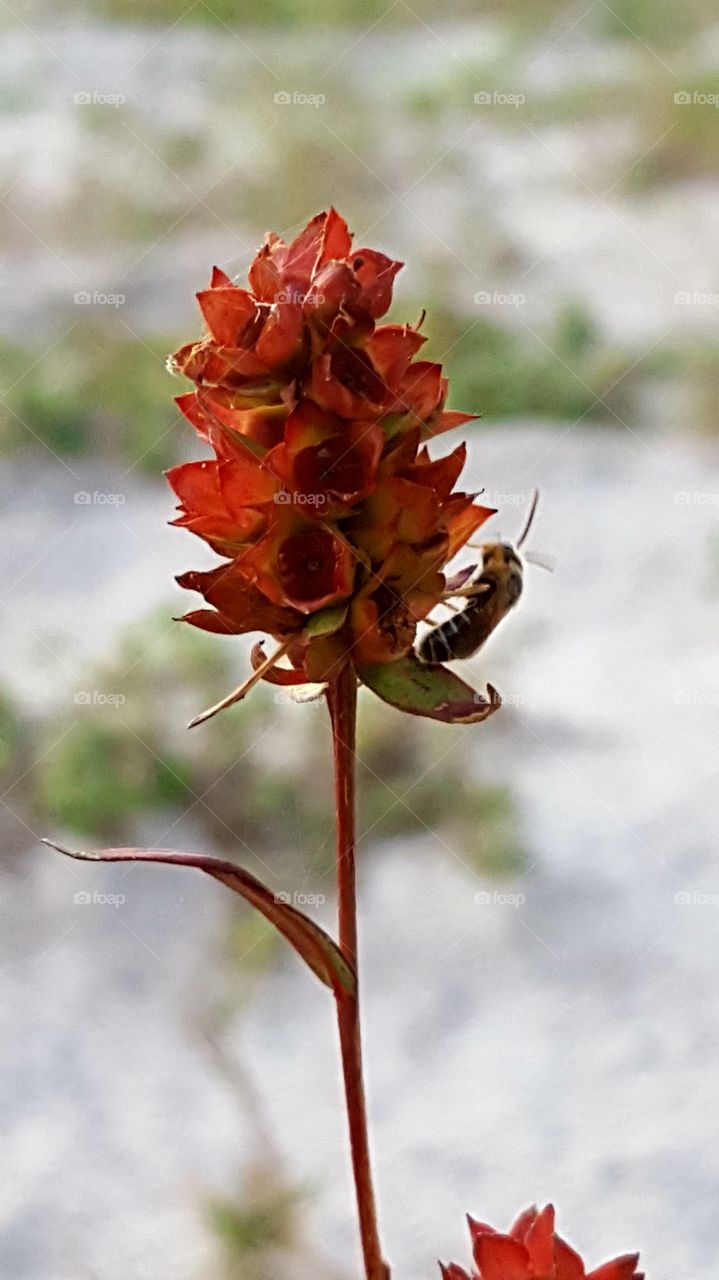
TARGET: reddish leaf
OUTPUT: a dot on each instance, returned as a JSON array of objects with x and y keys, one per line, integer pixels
[
  {"x": 427, "y": 690},
  {"x": 310, "y": 941}
]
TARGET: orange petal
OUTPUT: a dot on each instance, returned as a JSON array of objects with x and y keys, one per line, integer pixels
[
  {"x": 624, "y": 1268},
  {"x": 501, "y": 1258},
  {"x": 227, "y": 311},
  {"x": 539, "y": 1242},
  {"x": 462, "y": 518},
  {"x": 568, "y": 1264}
]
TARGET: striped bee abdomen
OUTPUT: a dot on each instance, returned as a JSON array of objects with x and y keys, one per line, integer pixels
[{"x": 452, "y": 639}]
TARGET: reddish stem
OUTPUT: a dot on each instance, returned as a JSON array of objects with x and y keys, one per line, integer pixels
[{"x": 342, "y": 702}]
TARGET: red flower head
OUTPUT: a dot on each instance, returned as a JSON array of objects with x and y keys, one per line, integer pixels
[
  {"x": 533, "y": 1251},
  {"x": 334, "y": 521}
]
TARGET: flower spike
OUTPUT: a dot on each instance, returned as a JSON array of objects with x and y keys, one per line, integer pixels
[{"x": 322, "y": 495}]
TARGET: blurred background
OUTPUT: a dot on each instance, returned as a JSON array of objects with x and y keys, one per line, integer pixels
[{"x": 539, "y": 894}]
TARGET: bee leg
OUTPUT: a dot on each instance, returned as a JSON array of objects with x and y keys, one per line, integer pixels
[{"x": 468, "y": 593}]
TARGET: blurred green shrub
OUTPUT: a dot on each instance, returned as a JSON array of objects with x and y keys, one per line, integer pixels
[
  {"x": 508, "y": 373},
  {"x": 93, "y": 392}
]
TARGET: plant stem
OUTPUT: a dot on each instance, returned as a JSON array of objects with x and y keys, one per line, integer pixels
[{"x": 342, "y": 702}]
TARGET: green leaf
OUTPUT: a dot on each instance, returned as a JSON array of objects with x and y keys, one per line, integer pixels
[
  {"x": 310, "y": 941},
  {"x": 325, "y": 622},
  {"x": 425, "y": 689}
]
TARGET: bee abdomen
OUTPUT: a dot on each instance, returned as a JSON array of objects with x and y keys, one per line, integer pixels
[{"x": 441, "y": 644}]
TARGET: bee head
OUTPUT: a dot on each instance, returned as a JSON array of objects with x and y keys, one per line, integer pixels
[{"x": 498, "y": 557}]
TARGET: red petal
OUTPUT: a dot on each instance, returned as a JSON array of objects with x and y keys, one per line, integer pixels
[
  {"x": 501, "y": 1258},
  {"x": 263, "y": 424},
  {"x": 477, "y": 1229},
  {"x": 281, "y": 336},
  {"x": 299, "y": 258},
  {"x": 568, "y": 1264},
  {"x": 304, "y": 566},
  {"x": 219, "y": 278},
  {"x": 190, "y": 407},
  {"x": 376, "y": 274},
  {"x": 421, "y": 390},
  {"x": 453, "y": 1272},
  {"x": 391, "y": 348},
  {"x": 525, "y": 1220},
  {"x": 241, "y": 606},
  {"x": 336, "y": 239},
  {"x": 264, "y": 273},
  {"x": 441, "y": 476},
  {"x": 333, "y": 287},
  {"x": 346, "y": 383},
  {"x": 208, "y": 620},
  {"x": 463, "y": 518},
  {"x": 447, "y": 420},
  {"x": 624, "y": 1268},
  {"x": 539, "y": 1242},
  {"x": 227, "y": 311},
  {"x": 198, "y": 488},
  {"x": 243, "y": 483},
  {"x": 226, "y": 537},
  {"x": 210, "y": 365}
]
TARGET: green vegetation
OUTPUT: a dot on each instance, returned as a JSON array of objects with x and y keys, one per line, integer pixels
[
  {"x": 107, "y": 763},
  {"x": 95, "y": 391},
  {"x": 511, "y": 373}
]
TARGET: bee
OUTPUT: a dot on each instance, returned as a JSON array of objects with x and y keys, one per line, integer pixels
[{"x": 490, "y": 595}]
